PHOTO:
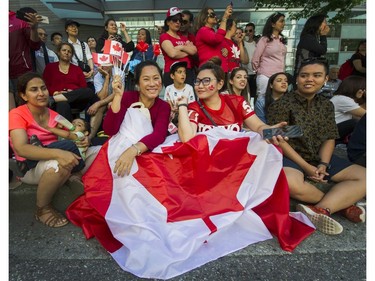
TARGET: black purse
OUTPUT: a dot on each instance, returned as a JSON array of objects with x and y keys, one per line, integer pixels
[{"x": 83, "y": 64}]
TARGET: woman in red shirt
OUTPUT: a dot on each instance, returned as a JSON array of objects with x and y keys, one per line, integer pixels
[
  {"x": 176, "y": 47},
  {"x": 67, "y": 85},
  {"x": 208, "y": 41}
]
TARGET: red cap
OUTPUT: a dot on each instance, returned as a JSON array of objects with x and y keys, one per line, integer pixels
[{"x": 173, "y": 11}]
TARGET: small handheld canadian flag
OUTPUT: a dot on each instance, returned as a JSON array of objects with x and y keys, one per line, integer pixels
[
  {"x": 113, "y": 48},
  {"x": 120, "y": 58},
  {"x": 100, "y": 59}
]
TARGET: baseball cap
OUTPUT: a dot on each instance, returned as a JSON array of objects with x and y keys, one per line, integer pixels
[
  {"x": 28, "y": 10},
  {"x": 174, "y": 66},
  {"x": 173, "y": 11},
  {"x": 70, "y": 22}
]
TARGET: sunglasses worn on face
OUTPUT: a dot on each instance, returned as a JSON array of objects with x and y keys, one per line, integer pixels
[
  {"x": 176, "y": 20},
  {"x": 184, "y": 21},
  {"x": 205, "y": 81},
  {"x": 248, "y": 30},
  {"x": 211, "y": 15}
]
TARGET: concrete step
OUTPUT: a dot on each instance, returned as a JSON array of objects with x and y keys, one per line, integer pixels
[{"x": 37, "y": 252}]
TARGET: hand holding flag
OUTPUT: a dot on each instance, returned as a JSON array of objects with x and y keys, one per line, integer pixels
[
  {"x": 142, "y": 47},
  {"x": 156, "y": 50}
]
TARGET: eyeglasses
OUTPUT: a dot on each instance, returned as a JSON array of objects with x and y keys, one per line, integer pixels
[
  {"x": 43, "y": 34},
  {"x": 184, "y": 21},
  {"x": 205, "y": 81},
  {"x": 248, "y": 30},
  {"x": 212, "y": 15},
  {"x": 176, "y": 20}
]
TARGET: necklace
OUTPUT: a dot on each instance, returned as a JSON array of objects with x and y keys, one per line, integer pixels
[{"x": 62, "y": 70}]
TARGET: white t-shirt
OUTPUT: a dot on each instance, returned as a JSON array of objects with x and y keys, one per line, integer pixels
[
  {"x": 250, "y": 48},
  {"x": 171, "y": 93},
  {"x": 343, "y": 105}
]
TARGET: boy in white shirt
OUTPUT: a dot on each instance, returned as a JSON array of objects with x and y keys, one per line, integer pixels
[{"x": 178, "y": 89}]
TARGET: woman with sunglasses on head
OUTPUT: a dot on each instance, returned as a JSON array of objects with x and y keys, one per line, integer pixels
[
  {"x": 277, "y": 87},
  {"x": 176, "y": 47},
  {"x": 207, "y": 40},
  {"x": 270, "y": 53},
  {"x": 313, "y": 40}
]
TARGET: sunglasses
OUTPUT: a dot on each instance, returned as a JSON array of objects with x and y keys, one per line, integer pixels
[
  {"x": 176, "y": 20},
  {"x": 212, "y": 15},
  {"x": 184, "y": 21},
  {"x": 205, "y": 81},
  {"x": 248, "y": 30},
  {"x": 315, "y": 59}
]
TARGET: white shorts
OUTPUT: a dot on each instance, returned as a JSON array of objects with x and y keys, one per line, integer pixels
[{"x": 262, "y": 81}]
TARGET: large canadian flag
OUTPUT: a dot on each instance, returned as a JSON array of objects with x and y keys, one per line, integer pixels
[
  {"x": 100, "y": 59},
  {"x": 113, "y": 47},
  {"x": 185, "y": 204}
]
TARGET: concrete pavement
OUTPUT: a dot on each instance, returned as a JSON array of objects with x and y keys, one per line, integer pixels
[{"x": 37, "y": 252}]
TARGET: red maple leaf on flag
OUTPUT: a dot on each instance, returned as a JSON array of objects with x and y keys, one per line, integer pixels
[
  {"x": 142, "y": 46},
  {"x": 103, "y": 58},
  {"x": 156, "y": 49},
  {"x": 117, "y": 47},
  {"x": 207, "y": 184}
]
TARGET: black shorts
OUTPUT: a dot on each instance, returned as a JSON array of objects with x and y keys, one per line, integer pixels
[{"x": 337, "y": 165}]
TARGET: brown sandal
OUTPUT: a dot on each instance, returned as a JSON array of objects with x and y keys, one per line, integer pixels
[{"x": 52, "y": 217}]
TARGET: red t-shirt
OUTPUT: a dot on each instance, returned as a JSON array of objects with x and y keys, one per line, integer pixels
[
  {"x": 232, "y": 60},
  {"x": 57, "y": 81},
  {"x": 234, "y": 109},
  {"x": 175, "y": 42},
  {"x": 22, "y": 118},
  {"x": 208, "y": 43}
]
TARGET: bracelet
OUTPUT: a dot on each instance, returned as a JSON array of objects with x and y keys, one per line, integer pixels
[
  {"x": 139, "y": 152},
  {"x": 325, "y": 164},
  {"x": 182, "y": 104}
]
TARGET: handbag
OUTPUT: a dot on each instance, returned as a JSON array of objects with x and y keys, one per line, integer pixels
[{"x": 83, "y": 64}]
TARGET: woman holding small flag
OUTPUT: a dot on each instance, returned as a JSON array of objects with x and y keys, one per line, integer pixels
[{"x": 110, "y": 33}]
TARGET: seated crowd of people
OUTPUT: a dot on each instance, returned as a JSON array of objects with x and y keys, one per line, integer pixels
[{"x": 215, "y": 74}]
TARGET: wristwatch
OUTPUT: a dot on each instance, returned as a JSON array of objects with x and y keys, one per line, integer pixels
[{"x": 325, "y": 164}]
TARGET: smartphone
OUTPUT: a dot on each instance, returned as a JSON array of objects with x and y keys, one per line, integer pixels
[
  {"x": 45, "y": 20},
  {"x": 293, "y": 131}
]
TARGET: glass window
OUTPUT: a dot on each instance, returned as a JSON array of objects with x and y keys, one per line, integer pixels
[
  {"x": 333, "y": 45},
  {"x": 349, "y": 45},
  {"x": 353, "y": 31}
]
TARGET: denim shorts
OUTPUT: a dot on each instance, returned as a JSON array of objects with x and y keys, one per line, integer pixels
[{"x": 337, "y": 165}]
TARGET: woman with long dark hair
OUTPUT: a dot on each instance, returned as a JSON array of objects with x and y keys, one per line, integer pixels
[
  {"x": 350, "y": 104},
  {"x": 277, "y": 87},
  {"x": 270, "y": 53},
  {"x": 110, "y": 33},
  {"x": 313, "y": 40}
]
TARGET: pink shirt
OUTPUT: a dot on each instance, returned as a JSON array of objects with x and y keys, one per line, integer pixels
[
  {"x": 208, "y": 43},
  {"x": 21, "y": 118},
  {"x": 175, "y": 42},
  {"x": 269, "y": 56}
]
